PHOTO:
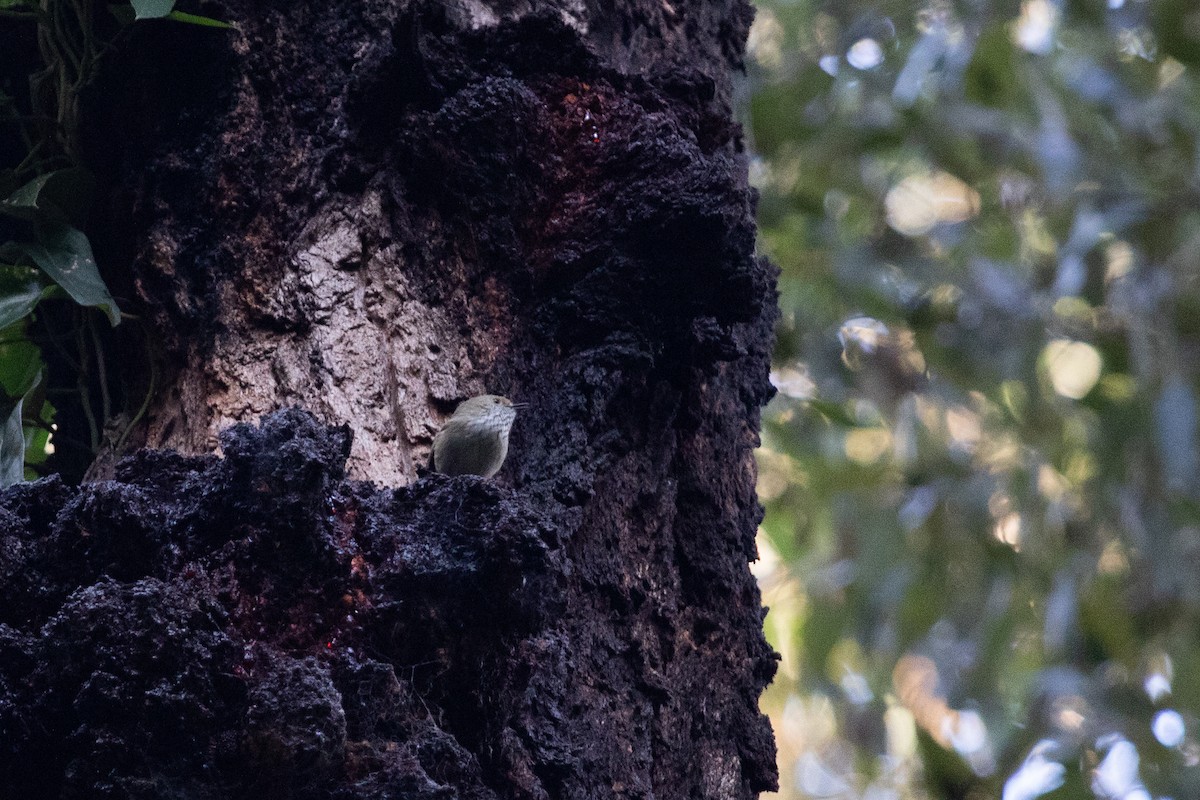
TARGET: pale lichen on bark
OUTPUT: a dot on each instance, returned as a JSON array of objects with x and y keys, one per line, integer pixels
[{"x": 372, "y": 353}]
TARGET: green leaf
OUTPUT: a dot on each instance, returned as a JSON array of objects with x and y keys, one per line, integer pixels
[
  {"x": 63, "y": 195},
  {"x": 16, "y": 304},
  {"x": 12, "y": 448},
  {"x": 152, "y": 9},
  {"x": 65, "y": 255},
  {"x": 195, "y": 19},
  {"x": 20, "y": 366}
]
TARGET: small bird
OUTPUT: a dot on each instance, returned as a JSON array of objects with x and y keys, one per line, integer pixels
[{"x": 475, "y": 440}]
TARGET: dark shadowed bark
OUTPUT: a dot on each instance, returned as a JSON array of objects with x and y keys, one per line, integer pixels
[{"x": 369, "y": 211}]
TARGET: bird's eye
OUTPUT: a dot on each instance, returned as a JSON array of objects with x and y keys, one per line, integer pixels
[{"x": 496, "y": 401}]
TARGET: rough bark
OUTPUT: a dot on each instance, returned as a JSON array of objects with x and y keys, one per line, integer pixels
[
  {"x": 362, "y": 208},
  {"x": 371, "y": 210}
]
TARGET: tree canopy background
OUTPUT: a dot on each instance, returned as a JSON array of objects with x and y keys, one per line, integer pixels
[{"x": 982, "y": 537}]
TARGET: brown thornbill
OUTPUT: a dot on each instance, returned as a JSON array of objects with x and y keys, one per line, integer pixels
[{"x": 475, "y": 440}]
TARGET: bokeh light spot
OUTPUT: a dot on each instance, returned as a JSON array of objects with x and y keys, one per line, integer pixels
[
  {"x": 919, "y": 202},
  {"x": 1169, "y": 728},
  {"x": 865, "y": 54},
  {"x": 861, "y": 336},
  {"x": 1037, "y": 776},
  {"x": 1034, "y": 30},
  {"x": 1157, "y": 686},
  {"x": 765, "y": 42},
  {"x": 1074, "y": 367},
  {"x": 867, "y": 445}
]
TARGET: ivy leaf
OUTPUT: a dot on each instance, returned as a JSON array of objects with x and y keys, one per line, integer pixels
[
  {"x": 21, "y": 376},
  {"x": 63, "y": 253},
  {"x": 162, "y": 9},
  {"x": 18, "y": 303},
  {"x": 195, "y": 19},
  {"x": 152, "y": 9},
  {"x": 12, "y": 447},
  {"x": 20, "y": 366},
  {"x": 64, "y": 195}
]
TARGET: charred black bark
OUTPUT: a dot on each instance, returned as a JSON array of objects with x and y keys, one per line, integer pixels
[
  {"x": 259, "y": 626},
  {"x": 552, "y": 205},
  {"x": 256, "y": 625}
]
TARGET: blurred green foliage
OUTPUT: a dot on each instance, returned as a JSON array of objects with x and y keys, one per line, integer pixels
[{"x": 982, "y": 470}]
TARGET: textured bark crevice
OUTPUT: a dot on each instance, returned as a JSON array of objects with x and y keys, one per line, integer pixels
[
  {"x": 371, "y": 210},
  {"x": 363, "y": 204}
]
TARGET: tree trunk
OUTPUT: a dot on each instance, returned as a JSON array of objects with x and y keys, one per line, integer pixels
[{"x": 372, "y": 210}]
